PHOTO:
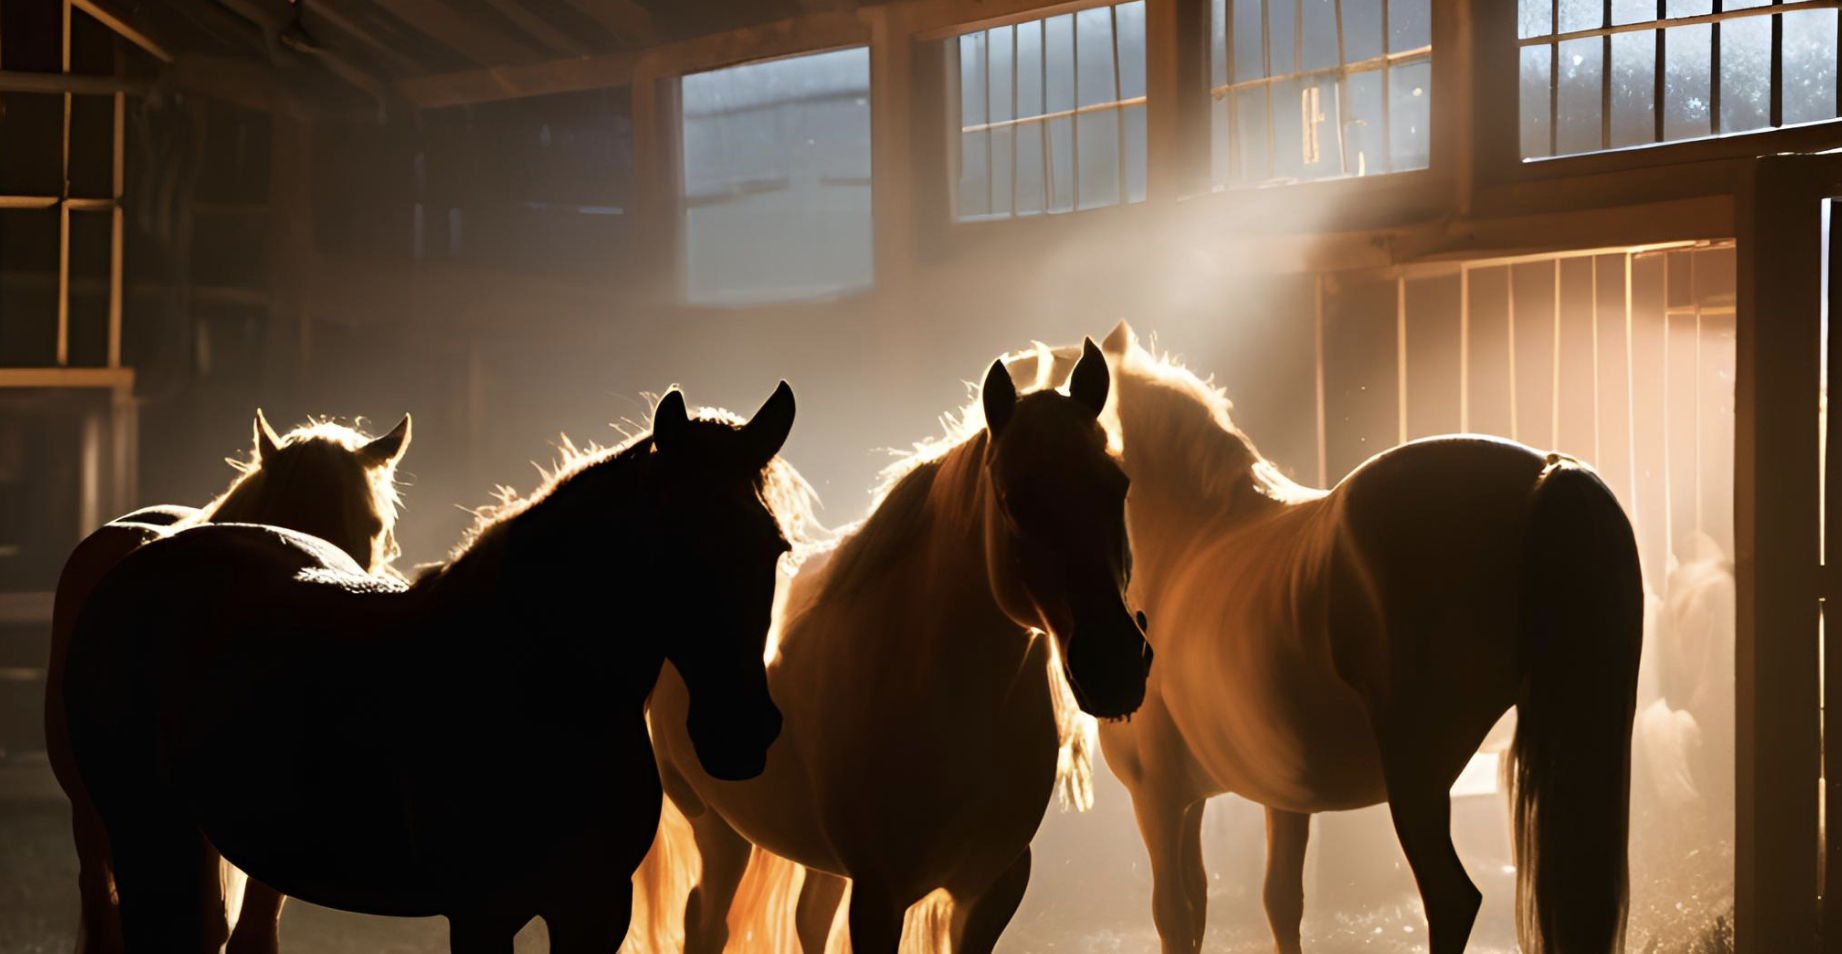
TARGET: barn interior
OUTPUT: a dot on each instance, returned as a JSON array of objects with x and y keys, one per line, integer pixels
[{"x": 1597, "y": 226}]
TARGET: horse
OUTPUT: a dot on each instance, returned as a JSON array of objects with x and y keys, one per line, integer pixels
[
  {"x": 472, "y": 744},
  {"x": 1332, "y": 649},
  {"x": 930, "y": 669},
  {"x": 322, "y": 479}
]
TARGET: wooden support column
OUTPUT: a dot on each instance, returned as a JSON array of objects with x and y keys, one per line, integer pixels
[
  {"x": 1177, "y": 127},
  {"x": 1775, "y": 563},
  {"x": 893, "y": 165},
  {"x": 1477, "y": 73}
]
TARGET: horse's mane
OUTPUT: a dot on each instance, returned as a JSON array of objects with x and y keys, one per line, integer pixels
[
  {"x": 1174, "y": 409},
  {"x": 287, "y": 475},
  {"x": 899, "y": 511},
  {"x": 784, "y": 492}
]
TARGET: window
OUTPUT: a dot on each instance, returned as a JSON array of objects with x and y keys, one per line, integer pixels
[
  {"x": 1052, "y": 114},
  {"x": 1318, "y": 89},
  {"x": 1603, "y": 75},
  {"x": 777, "y": 179}
]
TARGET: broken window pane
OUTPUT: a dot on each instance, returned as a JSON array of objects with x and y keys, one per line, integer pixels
[
  {"x": 1809, "y": 66},
  {"x": 1363, "y": 148},
  {"x": 1410, "y": 89}
]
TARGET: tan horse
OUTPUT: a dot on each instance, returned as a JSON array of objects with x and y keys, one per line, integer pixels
[
  {"x": 1328, "y": 650},
  {"x": 921, "y": 738},
  {"x": 322, "y": 479}
]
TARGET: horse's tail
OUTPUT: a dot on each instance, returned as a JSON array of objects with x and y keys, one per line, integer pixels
[
  {"x": 1570, "y": 768},
  {"x": 660, "y": 886}
]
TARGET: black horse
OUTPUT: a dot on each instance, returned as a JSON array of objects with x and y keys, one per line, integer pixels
[{"x": 473, "y": 745}]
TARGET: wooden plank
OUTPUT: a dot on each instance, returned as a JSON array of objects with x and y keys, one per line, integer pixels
[
  {"x": 122, "y": 28},
  {"x": 1775, "y": 562},
  {"x": 22, "y": 81},
  {"x": 515, "y": 82},
  {"x": 66, "y": 377}
]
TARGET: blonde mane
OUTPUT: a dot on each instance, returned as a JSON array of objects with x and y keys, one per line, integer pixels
[{"x": 295, "y": 475}]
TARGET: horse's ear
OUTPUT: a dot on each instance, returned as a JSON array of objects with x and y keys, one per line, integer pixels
[
  {"x": 999, "y": 396},
  {"x": 768, "y": 429},
  {"x": 669, "y": 420},
  {"x": 1119, "y": 339},
  {"x": 266, "y": 441},
  {"x": 389, "y": 448},
  {"x": 1090, "y": 380}
]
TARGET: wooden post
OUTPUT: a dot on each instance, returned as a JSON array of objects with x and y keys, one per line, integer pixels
[
  {"x": 892, "y": 148},
  {"x": 1775, "y": 563}
]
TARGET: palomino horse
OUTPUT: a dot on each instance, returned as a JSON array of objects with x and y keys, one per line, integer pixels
[
  {"x": 922, "y": 732},
  {"x": 321, "y": 479},
  {"x": 473, "y": 745},
  {"x": 1327, "y": 650}
]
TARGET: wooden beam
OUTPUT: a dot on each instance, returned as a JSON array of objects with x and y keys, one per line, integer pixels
[
  {"x": 543, "y": 31},
  {"x": 22, "y": 81},
  {"x": 126, "y": 32},
  {"x": 626, "y": 20},
  {"x": 514, "y": 82},
  {"x": 66, "y": 377},
  {"x": 462, "y": 34}
]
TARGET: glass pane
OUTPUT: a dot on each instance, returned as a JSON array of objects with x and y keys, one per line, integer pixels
[
  {"x": 1689, "y": 8},
  {"x": 1131, "y": 23},
  {"x": 1534, "y": 18},
  {"x": 1256, "y": 161},
  {"x": 1289, "y": 143},
  {"x": 1409, "y": 25},
  {"x": 1634, "y": 71},
  {"x": 1409, "y": 113},
  {"x": 776, "y": 179},
  {"x": 1579, "y": 102},
  {"x": 1362, "y": 125},
  {"x": 1030, "y": 69},
  {"x": 1323, "y": 157},
  {"x": 1059, "y": 35},
  {"x": 1094, "y": 57},
  {"x": 1685, "y": 82},
  {"x": 1218, "y": 144},
  {"x": 972, "y": 79},
  {"x": 1581, "y": 15},
  {"x": 1249, "y": 42},
  {"x": 1281, "y": 36},
  {"x": 1362, "y": 39},
  {"x": 1536, "y": 82},
  {"x": 1030, "y": 171},
  {"x": 1809, "y": 66},
  {"x": 1135, "y": 153},
  {"x": 1746, "y": 73},
  {"x": 1633, "y": 11},
  {"x": 1218, "y": 43},
  {"x": 1061, "y": 164},
  {"x": 1320, "y": 31},
  {"x": 1097, "y": 149},
  {"x": 1001, "y": 169},
  {"x": 1001, "y": 74},
  {"x": 974, "y": 173},
  {"x": 1744, "y": 4}
]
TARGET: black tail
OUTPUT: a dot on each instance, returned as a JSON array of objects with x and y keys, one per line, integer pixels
[{"x": 1570, "y": 769}]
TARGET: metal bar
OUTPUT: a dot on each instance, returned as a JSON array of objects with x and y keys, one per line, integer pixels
[
  {"x": 1554, "y": 89},
  {"x": 1464, "y": 349},
  {"x": 1605, "y": 78},
  {"x": 1665, "y": 21},
  {"x": 1713, "y": 82},
  {"x": 1400, "y": 354},
  {"x": 1119, "y": 124},
  {"x": 1554, "y": 385},
  {"x": 126, "y": 32},
  {"x": 1659, "y": 86},
  {"x": 1776, "y": 93},
  {"x": 1318, "y": 346}
]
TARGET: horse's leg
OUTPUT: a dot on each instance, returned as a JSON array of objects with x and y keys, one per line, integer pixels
[
  {"x": 991, "y": 910},
  {"x": 100, "y": 929},
  {"x": 818, "y": 908},
  {"x": 258, "y": 929},
  {"x": 1286, "y": 835},
  {"x": 706, "y": 910},
  {"x": 1195, "y": 874},
  {"x": 1172, "y": 835},
  {"x": 169, "y": 883},
  {"x": 594, "y": 922},
  {"x": 1419, "y": 799},
  {"x": 876, "y": 920}
]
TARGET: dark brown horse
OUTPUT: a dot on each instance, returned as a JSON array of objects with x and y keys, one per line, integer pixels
[
  {"x": 322, "y": 479},
  {"x": 473, "y": 745}
]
